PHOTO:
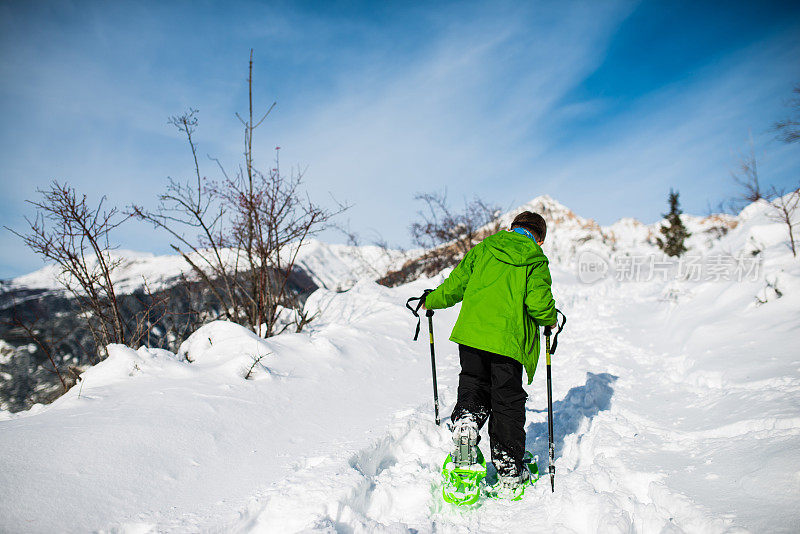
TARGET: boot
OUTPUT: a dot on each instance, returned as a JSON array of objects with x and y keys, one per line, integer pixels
[
  {"x": 465, "y": 443},
  {"x": 510, "y": 487}
]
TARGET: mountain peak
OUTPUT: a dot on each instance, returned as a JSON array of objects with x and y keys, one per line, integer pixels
[
  {"x": 552, "y": 210},
  {"x": 547, "y": 202}
]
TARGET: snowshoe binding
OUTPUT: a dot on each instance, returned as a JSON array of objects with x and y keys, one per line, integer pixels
[
  {"x": 512, "y": 488},
  {"x": 464, "y": 468}
]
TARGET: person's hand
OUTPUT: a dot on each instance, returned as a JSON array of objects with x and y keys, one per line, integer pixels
[
  {"x": 553, "y": 326},
  {"x": 425, "y": 294}
]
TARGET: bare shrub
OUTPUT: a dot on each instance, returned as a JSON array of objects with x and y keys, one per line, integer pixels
[
  {"x": 789, "y": 129},
  {"x": 441, "y": 225},
  {"x": 446, "y": 233},
  {"x": 193, "y": 216},
  {"x": 784, "y": 209},
  {"x": 770, "y": 292},
  {"x": 256, "y": 361},
  {"x": 241, "y": 235},
  {"x": 746, "y": 177},
  {"x": 75, "y": 236}
]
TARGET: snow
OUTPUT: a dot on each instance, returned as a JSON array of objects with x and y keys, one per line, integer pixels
[
  {"x": 6, "y": 351},
  {"x": 676, "y": 410},
  {"x": 329, "y": 265}
]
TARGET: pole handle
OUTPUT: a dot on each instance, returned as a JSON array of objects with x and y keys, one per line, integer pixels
[
  {"x": 415, "y": 311},
  {"x": 547, "y": 344},
  {"x": 548, "y": 331}
]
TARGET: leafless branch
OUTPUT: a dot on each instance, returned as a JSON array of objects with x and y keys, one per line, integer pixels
[
  {"x": 256, "y": 361},
  {"x": 240, "y": 236},
  {"x": 746, "y": 177},
  {"x": 75, "y": 236},
  {"x": 784, "y": 210},
  {"x": 788, "y": 130},
  {"x": 449, "y": 234}
]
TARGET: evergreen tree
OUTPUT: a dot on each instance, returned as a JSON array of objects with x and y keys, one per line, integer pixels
[{"x": 674, "y": 231}]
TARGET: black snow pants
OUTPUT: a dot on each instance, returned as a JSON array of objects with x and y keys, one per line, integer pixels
[{"x": 490, "y": 386}]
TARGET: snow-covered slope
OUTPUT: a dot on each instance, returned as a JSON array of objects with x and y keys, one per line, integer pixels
[
  {"x": 329, "y": 265},
  {"x": 676, "y": 410}
]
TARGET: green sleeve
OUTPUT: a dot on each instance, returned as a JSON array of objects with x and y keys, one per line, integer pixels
[
  {"x": 451, "y": 291},
  {"x": 539, "y": 298}
]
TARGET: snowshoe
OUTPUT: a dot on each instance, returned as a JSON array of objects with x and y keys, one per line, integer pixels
[
  {"x": 465, "y": 467},
  {"x": 462, "y": 483},
  {"x": 513, "y": 488}
]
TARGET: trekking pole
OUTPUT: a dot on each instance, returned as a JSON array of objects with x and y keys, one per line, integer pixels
[
  {"x": 551, "y": 468},
  {"x": 429, "y": 315}
]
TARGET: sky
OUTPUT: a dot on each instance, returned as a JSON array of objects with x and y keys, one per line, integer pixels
[{"x": 604, "y": 106}]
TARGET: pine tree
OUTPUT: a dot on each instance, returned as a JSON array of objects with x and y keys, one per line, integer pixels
[{"x": 674, "y": 231}]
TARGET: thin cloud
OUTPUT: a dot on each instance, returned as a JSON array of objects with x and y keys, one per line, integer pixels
[
  {"x": 377, "y": 105},
  {"x": 464, "y": 113},
  {"x": 685, "y": 136}
]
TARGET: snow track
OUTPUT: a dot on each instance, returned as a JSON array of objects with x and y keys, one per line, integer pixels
[{"x": 611, "y": 475}]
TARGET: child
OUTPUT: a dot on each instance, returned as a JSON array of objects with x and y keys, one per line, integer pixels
[{"x": 504, "y": 283}]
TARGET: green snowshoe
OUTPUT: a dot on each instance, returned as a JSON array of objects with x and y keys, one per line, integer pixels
[
  {"x": 462, "y": 483},
  {"x": 513, "y": 488},
  {"x": 465, "y": 467}
]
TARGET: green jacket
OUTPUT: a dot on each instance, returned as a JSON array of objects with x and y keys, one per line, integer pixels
[{"x": 504, "y": 282}]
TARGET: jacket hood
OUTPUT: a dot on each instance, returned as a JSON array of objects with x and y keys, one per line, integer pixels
[{"x": 514, "y": 249}]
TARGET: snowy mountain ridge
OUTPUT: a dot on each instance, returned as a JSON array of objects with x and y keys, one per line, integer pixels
[
  {"x": 332, "y": 266},
  {"x": 340, "y": 266},
  {"x": 568, "y": 232}
]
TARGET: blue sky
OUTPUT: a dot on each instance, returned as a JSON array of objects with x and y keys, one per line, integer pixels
[{"x": 602, "y": 105}]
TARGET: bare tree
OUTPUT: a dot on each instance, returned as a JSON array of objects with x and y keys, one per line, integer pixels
[
  {"x": 75, "y": 236},
  {"x": 180, "y": 323},
  {"x": 452, "y": 232},
  {"x": 192, "y": 214},
  {"x": 270, "y": 221},
  {"x": 446, "y": 234},
  {"x": 442, "y": 225},
  {"x": 154, "y": 310},
  {"x": 240, "y": 236},
  {"x": 789, "y": 129},
  {"x": 746, "y": 177},
  {"x": 784, "y": 210}
]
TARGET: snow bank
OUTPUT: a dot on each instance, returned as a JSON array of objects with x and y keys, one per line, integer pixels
[{"x": 149, "y": 438}]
